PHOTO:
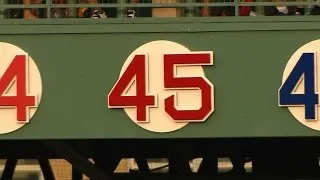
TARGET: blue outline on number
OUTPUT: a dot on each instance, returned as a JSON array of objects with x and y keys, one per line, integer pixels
[{"x": 305, "y": 67}]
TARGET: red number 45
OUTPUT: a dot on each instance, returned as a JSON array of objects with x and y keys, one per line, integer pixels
[{"x": 137, "y": 70}]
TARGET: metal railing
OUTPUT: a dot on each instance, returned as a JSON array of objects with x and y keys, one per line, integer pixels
[{"x": 186, "y": 8}]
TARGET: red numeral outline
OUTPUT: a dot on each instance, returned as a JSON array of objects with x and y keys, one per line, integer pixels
[
  {"x": 138, "y": 71},
  {"x": 171, "y": 81},
  {"x": 17, "y": 72}
]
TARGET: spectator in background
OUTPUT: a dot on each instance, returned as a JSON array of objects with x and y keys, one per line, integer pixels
[
  {"x": 112, "y": 12},
  {"x": 284, "y": 10},
  {"x": 227, "y": 10},
  {"x": 316, "y": 9},
  {"x": 247, "y": 10},
  {"x": 38, "y": 13},
  {"x": 141, "y": 12},
  {"x": 30, "y": 13},
  {"x": 59, "y": 12},
  {"x": 91, "y": 12},
  {"x": 205, "y": 11}
]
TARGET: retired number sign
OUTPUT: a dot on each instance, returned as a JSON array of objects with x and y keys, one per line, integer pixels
[
  {"x": 300, "y": 84},
  {"x": 162, "y": 87},
  {"x": 19, "y": 98}
]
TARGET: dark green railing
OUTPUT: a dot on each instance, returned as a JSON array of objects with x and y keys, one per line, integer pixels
[{"x": 190, "y": 6}]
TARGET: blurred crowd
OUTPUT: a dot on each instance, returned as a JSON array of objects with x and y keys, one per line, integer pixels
[{"x": 147, "y": 12}]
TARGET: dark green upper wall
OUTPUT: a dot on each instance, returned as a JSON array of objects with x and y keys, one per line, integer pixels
[{"x": 212, "y": 24}]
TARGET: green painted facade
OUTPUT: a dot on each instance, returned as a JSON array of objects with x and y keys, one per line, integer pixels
[{"x": 80, "y": 61}]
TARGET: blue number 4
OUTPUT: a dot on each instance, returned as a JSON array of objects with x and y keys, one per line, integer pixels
[{"x": 305, "y": 68}]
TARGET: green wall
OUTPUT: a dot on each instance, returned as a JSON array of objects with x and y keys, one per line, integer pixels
[{"x": 80, "y": 61}]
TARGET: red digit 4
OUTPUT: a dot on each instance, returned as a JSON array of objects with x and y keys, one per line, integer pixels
[
  {"x": 171, "y": 61},
  {"x": 17, "y": 71},
  {"x": 137, "y": 70}
]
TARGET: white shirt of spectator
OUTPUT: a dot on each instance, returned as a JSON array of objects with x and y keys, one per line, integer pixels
[{"x": 282, "y": 9}]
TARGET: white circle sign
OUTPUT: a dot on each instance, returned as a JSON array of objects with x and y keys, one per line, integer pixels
[
  {"x": 20, "y": 88},
  {"x": 303, "y": 62},
  {"x": 185, "y": 98}
]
